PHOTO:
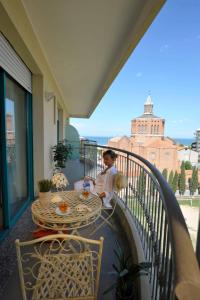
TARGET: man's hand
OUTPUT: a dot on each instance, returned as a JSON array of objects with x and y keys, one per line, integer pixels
[
  {"x": 102, "y": 195},
  {"x": 90, "y": 178}
]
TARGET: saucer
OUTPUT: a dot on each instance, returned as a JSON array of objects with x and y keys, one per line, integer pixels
[
  {"x": 83, "y": 208},
  {"x": 60, "y": 213},
  {"x": 86, "y": 198}
]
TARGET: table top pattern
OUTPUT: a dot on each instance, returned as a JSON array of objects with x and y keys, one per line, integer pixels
[{"x": 46, "y": 217}]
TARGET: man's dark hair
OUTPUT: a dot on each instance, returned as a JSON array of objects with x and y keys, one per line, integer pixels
[{"x": 111, "y": 153}]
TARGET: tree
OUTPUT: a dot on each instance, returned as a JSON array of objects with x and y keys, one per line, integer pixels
[
  {"x": 164, "y": 173},
  {"x": 196, "y": 181},
  {"x": 175, "y": 182},
  {"x": 188, "y": 165},
  {"x": 198, "y": 188},
  {"x": 183, "y": 165},
  {"x": 193, "y": 182},
  {"x": 170, "y": 180},
  {"x": 141, "y": 185},
  {"x": 181, "y": 182}
]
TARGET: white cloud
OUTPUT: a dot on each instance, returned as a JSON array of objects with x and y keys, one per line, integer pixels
[
  {"x": 138, "y": 74},
  {"x": 164, "y": 48}
]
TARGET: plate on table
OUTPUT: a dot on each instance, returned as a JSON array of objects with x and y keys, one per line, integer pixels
[
  {"x": 60, "y": 213},
  {"x": 82, "y": 208},
  {"x": 90, "y": 196}
]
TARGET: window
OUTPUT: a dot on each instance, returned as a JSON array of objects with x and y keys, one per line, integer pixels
[
  {"x": 151, "y": 129},
  {"x": 167, "y": 155}
]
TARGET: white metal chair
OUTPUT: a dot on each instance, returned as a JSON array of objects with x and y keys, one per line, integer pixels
[
  {"x": 106, "y": 215},
  {"x": 120, "y": 182},
  {"x": 59, "y": 267}
]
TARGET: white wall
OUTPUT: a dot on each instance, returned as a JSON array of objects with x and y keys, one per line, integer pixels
[
  {"x": 188, "y": 155},
  {"x": 17, "y": 29}
]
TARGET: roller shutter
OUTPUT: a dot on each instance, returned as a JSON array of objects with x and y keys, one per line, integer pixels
[{"x": 13, "y": 65}]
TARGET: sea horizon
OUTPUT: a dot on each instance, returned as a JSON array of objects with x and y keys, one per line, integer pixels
[{"x": 103, "y": 140}]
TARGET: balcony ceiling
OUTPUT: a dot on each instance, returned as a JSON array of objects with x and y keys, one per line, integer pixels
[{"x": 86, "y": 43}]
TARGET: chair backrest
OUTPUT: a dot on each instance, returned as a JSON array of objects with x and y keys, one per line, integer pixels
[{"x": 59, "y": 267}]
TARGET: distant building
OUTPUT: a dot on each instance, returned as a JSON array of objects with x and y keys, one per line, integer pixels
[
  {"x": 122, "y": 142},
  {"x": 148, "y": 125},
  {"x": 186, "y": 154},
  {"x": 10, "y": 133},
  {"x": 197, "y": 134},
  {"x": 148, "y": 140}
]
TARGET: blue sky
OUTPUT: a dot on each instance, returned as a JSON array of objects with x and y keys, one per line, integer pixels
[{"x": 166, "y": 62}]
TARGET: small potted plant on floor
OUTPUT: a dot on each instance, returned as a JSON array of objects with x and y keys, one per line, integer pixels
[
  {"x": 45, "y": 186},
  {"x": 126, "y": 273},
  {"x": 61, "y": 153}
]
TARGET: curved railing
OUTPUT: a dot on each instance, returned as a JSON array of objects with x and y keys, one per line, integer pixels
[{"x": 159, "y": 221}]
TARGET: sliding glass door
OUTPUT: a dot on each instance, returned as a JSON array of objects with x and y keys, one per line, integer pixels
[
  {"x": 1, "y": 206},
  {"x": 16, "y": 149},
  {"x": 16, "y": 145}
]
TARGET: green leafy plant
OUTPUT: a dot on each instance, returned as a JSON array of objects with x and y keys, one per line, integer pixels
[
  {"x": 165, "y": 173},
  {"x": 188, "y": 165},
  {"x": 61, "y": 153},
  {"x": 45, "y": 185},
  {"x": 181, "y": 181},
  {"x": 126, "y": 273},
  {"x": 141, "y": 184},
  {"x": 175, "y": 182},
  {"x": 170, "y": 179},
  {"x": 193, "y": 182}
]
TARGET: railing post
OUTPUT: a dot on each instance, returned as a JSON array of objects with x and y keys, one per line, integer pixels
[
  {"x": 198, "y": 241},
  {"x": 84, "y": 159},
  {"x": 127, "y": 169}
]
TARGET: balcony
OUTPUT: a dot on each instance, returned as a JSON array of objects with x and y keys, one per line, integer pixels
[
  {"x": 61, "y": 61},
  {"x": 148, "y": 219}
]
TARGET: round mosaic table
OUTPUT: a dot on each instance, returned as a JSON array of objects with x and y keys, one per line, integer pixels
[{"x": 46, "y": 217}]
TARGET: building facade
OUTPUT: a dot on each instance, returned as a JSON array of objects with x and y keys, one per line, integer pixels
[
  {"x": 147, "y": 125},
  {"x": 186, "y": 154},
  {"x": 147, "y": 139},
  {"x": 197, "y": 134},
  {"x": 29, "y": 120}
]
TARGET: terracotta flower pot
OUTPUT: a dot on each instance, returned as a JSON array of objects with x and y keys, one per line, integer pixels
[{"x": 44, "y": 198}]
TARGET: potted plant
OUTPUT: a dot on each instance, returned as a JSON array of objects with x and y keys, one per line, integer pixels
[
  {"x": 44, "y": 186},
  {"x": 126, "y": 273},
  {"x": 61, "y": 153}
]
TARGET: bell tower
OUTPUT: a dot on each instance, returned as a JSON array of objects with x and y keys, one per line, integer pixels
[
  {"x": 148, "y": 106},
  {"x": 147, "y": 125}
]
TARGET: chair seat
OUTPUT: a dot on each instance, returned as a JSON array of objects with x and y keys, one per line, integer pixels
[
  {"x": 107, "y": 207},
  {"x": 65, "y": 276}
]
